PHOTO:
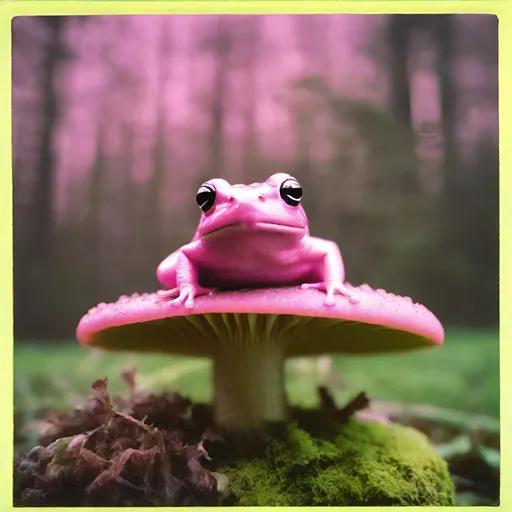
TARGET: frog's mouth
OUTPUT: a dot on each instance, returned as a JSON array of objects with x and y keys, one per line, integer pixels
[{"x": 269, "y": 227}]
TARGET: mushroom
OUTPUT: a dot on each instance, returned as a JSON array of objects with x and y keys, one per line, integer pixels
[{"x": 248, "y": 334}]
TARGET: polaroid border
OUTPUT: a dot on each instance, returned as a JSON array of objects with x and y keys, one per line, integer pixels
[{"x": 10, "y": 9}]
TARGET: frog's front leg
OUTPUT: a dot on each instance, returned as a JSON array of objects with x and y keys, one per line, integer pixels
[
  {"x": 180, "y": 274},
  {"x": 332, "y": 270}
]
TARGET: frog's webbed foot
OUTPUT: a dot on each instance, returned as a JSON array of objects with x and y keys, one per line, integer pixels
[
  {"x": 185, "y": 294},
  {"x": 331, "y": 288}
]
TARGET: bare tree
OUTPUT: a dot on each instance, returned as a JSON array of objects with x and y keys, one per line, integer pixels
[
  {"x": 97, "y": 183},
  {"x": 221, "y": 45},
  {"x": 155, "y": 187},
  {"x": 43, "y": 207},
  {"x": 399, "y": 36},
  {"x": 442, "y": 31},
  {"x": 400, "y": 32},
  {"x": 251, "y": 56},
  {"x": 443, "y": 34},
  {"x": 40, "y": 242}
]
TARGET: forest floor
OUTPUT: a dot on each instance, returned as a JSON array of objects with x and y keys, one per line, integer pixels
[
  {"x": 451, "y": 393},
  {"x": 462, "y": 375}
]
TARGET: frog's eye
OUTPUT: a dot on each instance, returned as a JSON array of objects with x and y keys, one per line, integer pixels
[
  {"x": 205, "y": 197},
  {"x": 291, "y": 192}
]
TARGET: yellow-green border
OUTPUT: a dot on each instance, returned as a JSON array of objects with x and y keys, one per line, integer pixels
[{"x": 10, "y": 9}]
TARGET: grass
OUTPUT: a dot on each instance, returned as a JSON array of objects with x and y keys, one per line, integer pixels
[{"x": 461, "y": 375}]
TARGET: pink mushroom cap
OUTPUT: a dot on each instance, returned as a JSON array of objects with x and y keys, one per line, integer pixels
[{"x": 299, "y": 319}]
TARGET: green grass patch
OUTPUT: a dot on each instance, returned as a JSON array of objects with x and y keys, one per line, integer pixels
[{"x": 463, "y": 375}]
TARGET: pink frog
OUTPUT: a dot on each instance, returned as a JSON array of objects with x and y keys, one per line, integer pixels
[{"x": 252, "y": 236}]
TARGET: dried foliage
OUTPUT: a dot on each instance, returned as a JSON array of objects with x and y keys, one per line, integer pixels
[{"x": 148, "y": 450}]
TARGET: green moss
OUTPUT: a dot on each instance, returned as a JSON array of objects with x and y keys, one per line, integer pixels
[{"x": 365, "y": 464}]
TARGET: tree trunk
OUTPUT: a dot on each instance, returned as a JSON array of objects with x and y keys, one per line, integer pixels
[
  {"x": 400, "y": 31},
  {"x": 41, "y": 242},
  {"x": 222, "y": 49},
  {"x": 155, "y": 187},
  {"x": 250, "y": 163},
  {"x": 94, "y": 215},
  {"x": 450, "y": 199},
  {"x": 445, "y": 61}
]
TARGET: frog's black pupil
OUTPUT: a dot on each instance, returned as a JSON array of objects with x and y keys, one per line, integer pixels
[
  {"x": 205, "y": 197},
  {"x": 291, "y": 192}
]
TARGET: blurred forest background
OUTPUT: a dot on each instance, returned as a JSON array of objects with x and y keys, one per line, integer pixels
[{"x": 390, "y": 122}]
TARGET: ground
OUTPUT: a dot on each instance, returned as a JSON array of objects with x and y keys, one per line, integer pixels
[{"x": 460, "y": 380}]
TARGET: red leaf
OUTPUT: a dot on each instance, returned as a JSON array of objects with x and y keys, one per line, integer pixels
[{"x": 100, "y": 385}]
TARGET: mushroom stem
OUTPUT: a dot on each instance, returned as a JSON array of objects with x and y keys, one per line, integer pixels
[{"x": 248, "y": 383}]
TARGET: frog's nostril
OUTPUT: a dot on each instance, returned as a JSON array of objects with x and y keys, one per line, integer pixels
[
  {"x": 231, "y": 199},
  {"x": 261, "y": 197}
]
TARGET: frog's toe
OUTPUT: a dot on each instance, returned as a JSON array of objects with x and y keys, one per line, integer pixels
[
  {"x": 189, "y": 303},
  {"x": 313, "y": 286},
  {"x": 330, "y": 300},
  {"x": 205, "y": 291},
  {"x": 177, "y": 301},
  {"x": 164, "y": 294}
]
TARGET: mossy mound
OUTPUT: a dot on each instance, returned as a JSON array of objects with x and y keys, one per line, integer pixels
[{"x": 365, "y": 464}]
